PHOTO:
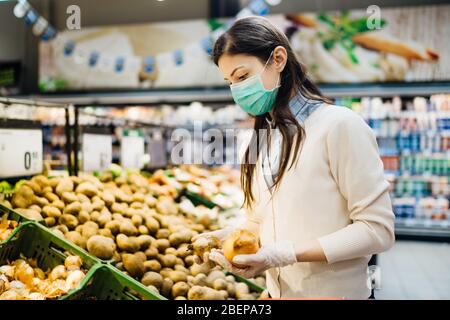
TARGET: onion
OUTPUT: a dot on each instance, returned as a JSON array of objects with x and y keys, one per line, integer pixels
[{"x": 240, "y": 242}]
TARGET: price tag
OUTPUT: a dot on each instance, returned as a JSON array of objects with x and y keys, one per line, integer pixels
[
  {"x": 132, "y": 150},
  {"x": 97, "y": 152},
  {"x": 20, "y": 152}
]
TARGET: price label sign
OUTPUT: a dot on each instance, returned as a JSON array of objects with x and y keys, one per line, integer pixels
[
  {"x": 97, "y": 151},
  {"x": 21, "y": 152},
  {"x": 132, "y": 151}
]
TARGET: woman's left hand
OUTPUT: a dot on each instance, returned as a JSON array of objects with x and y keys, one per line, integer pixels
[{"x": 269, "y": 256}]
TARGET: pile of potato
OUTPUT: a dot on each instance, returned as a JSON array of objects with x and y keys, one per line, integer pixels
[
  {"x": 22, "y": 279},
  {"x": 135, "y": 222},
  {"x": 6, "y": 227}
]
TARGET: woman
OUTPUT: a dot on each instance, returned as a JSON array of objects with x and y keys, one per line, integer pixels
[{"x": 316, "y": 197}]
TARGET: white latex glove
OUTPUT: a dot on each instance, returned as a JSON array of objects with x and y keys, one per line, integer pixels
[{"x": 270, "y": 256}]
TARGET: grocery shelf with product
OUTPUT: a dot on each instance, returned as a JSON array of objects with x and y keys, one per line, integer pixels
[{"x": 413, "y": 135}]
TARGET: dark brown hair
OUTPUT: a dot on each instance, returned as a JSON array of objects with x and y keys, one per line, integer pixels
[{"x": 258, "y": 37}]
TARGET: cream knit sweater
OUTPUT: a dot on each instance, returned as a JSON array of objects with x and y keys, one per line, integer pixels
[{"x": 337, "y": 194}]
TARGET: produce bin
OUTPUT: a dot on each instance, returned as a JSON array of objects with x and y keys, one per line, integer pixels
[
  {"x": 12, "y": 215},
  {"x": 34, "y": 241},
  {"x": 105, "y": 282}
]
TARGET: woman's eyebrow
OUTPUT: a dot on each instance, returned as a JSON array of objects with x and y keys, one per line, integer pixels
[{"x": 235, "y": 69}]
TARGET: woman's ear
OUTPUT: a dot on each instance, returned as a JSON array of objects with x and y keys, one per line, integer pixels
[{"x": 279, "y": 58}]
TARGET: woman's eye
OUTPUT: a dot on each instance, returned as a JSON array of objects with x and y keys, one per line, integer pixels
[{"x": 242, "y": 77}]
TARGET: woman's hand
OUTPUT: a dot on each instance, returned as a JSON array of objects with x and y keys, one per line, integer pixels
[
  {"x": 270, "y": 256},
  {"x": 221, "y": 235}
]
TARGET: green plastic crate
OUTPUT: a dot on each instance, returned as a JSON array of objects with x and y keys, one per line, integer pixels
[
  {"x": 12, "y": 215},
  {"x": 35, "y": 241},
  {"x": 105, "y": 282}
]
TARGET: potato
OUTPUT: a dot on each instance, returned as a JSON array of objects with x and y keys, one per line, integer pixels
[
  {"x": 189, "y": 260},
  {"x": 151, "y": 278},
  {"x": 95, "y": 215},
  {"x": 141, "y": 255},
  {"x": 76, "y": 238},
  {"x": 62, "y": 228},
  {"x": 101, "y": 247},
  {"x": 118, "y": 208},
  {"x": 162, "y": 244},
  {"x": 152, "y": 224},
  {"x": 177, "y": 276},
  {"x": 230, "y": 278},
  {"x": 87, "y": 189},
  {"x": 231, "y": 289},
  {"x": 183, "y": 251},
  {"x": 86, "y": 206},
  {"x": 83, "y": 198},
  {"x": 83, "y": 216},
  {"x": 151, "y": 252},
  {"x": 127, "y": 228},
  {"x": 152, "y": 265},
  {"x": 200, "y": 280},
  {"x": 53, "y": 182},
  {"x": 143, "y": 230},
  {"x": 36, "y": 208},
  {"x": 98, "y": 205},
  {"x": 133, "y": 265},
  {"x": 171, "y": 251},
  {"x": 166, "y": 288},
  {"x": 138, "y": 197},
  {"x": 242, "y": 290},
  {"x": 136, "y": 220},
  {"x": 51, "y": 211},
  {"x": 128, "y": 244},
  {"x": 204, "y": 293},
  {"x": 162, "y": 234},
  {"x": 144, "y": 241},
  {"x": 41, "y": 180},
  {"x": 180, "y": 262},
  {"x": 220, "y": 284},
  {"x": 76, "y": 180},
  {"x": 34, "y": 186},
  {"x": 178, "y": 238},
  {"x": 58, "y": 204},
  {"x": 58, "y": 232},
  {"x": 73, "y": 208},
  {"x": 50, "y": 221},
  {"x": 117, "y": 216},
  {"x": 182, "y": 268},
  {"x": 51, "y": 197},
  {"x": 213, "y": 276},
  {"x": 104, "y": 218},
  {"x": 64, "y": 185},
  {"x": 69, "y": 220},
  {"x": 79, "y": 228},
  {"x": 150, "y": 201},
  {"x": 41, "y": 201},
  {"x": 69, "y": 197},
  {"x": 153, "y": 289},
  {"x": 199, "y": 268},
  {"x": 23, "y": 197},
  {"x": 168, "y": 260},
  {"x": 165, "y": 272},
  {"x": 114, "y": 226},
  {"x": 108, "y": 198},
  {"x": 89, "y": 229},
  {"x": 136, "y": 205},
  {"x": 119, "y": 265},
  {"x": 180, "y": 289},
  {"x": 106, "y": 233}
]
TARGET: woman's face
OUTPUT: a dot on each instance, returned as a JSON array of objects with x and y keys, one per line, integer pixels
[{"x": 237, "y": 68}]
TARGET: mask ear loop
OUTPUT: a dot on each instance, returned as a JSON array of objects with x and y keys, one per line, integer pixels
[{"x": 279, "y": 76}]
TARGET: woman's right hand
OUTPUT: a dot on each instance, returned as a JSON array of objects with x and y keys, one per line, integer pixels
[{"x": 221, "y": 235}]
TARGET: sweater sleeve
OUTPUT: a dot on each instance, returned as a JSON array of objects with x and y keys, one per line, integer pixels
[{"x": 358, "y": 170}]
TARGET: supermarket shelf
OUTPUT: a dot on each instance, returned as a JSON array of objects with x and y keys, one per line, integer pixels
[
  {"x": 414, "y": 230},
  {"x": 223, "y": 95}
]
